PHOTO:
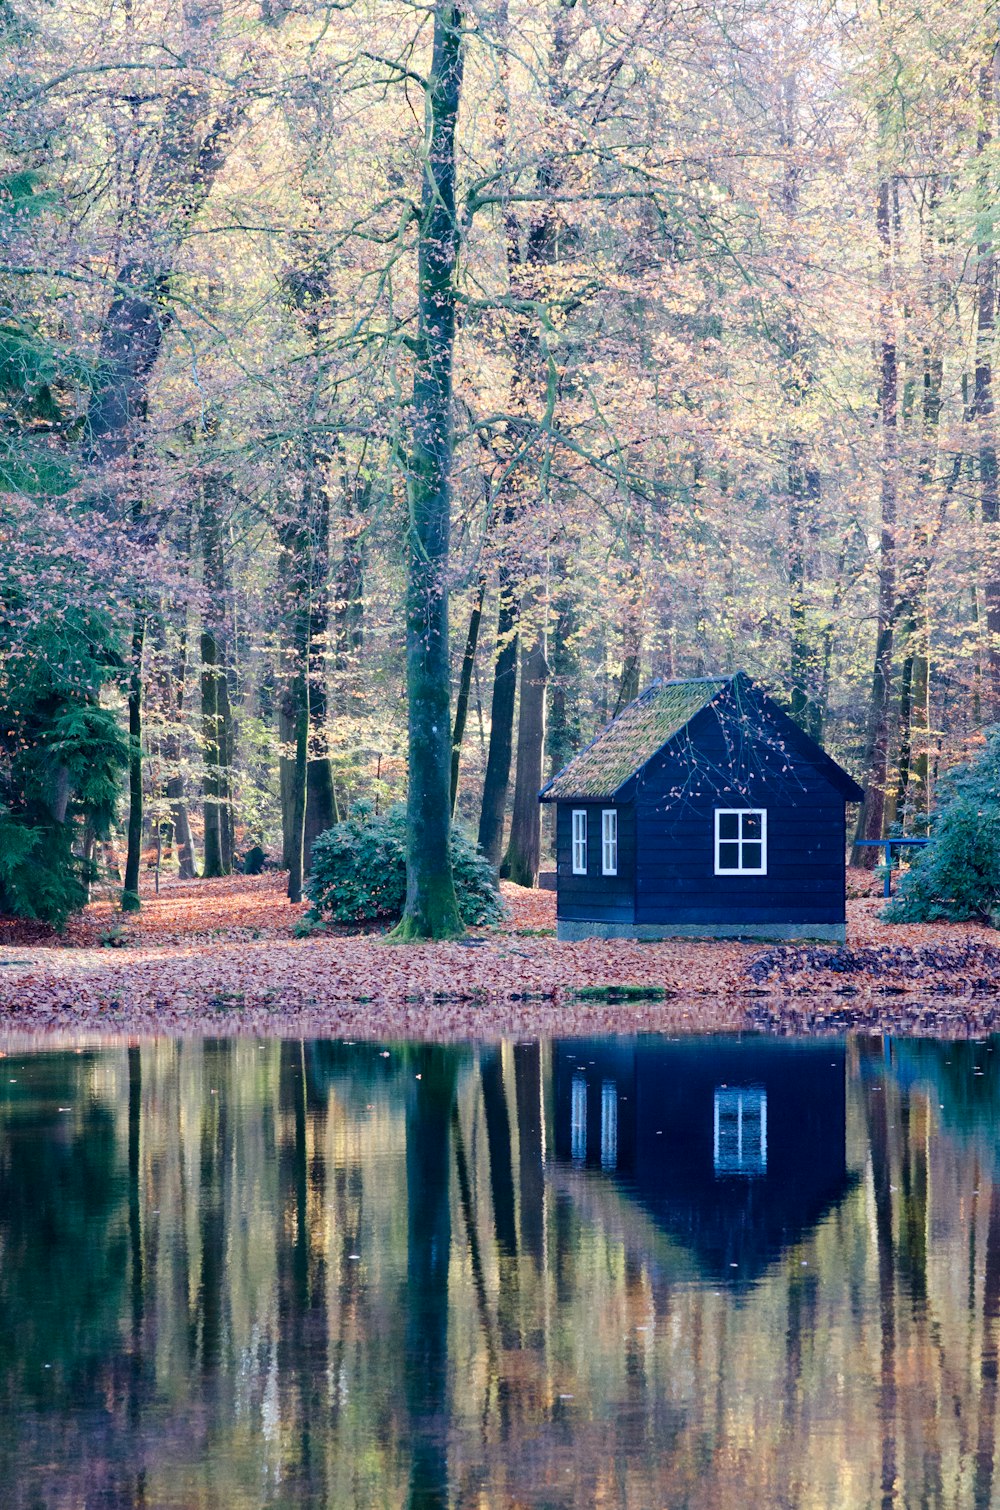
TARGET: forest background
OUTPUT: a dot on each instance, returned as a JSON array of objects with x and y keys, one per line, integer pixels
[{"x": 480, "y": 358}]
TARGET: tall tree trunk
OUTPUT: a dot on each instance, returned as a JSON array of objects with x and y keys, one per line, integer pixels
[
  {"x": 321, "y": 798},
  {"x": 563, "y": 732},
  {"x": 214, "y": 862},
  {"x": 501, "y": 745},
  {"x": 216, "y": 709},
  {"x": 133, "y": 860},
  {"x": 540, "y": 248},
  {"x": 183, "y": 842},
  {"x": 872, "y": 813},
  {"x": 465, "y": 690},
  {"x": 986, "y": 301},
  {"x": 431, "y": 909},
  {"x": 523, "y": 859}
]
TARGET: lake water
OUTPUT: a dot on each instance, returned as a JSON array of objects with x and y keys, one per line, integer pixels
[{"x": 706, "y": 1272}]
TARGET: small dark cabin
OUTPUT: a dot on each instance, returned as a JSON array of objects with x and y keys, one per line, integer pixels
[
  {"x": 735, "y": 1147},
  {"x": 702, "y": 810}
]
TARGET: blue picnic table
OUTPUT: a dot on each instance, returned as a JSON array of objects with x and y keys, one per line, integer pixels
[{"x": 886, "y": 844}]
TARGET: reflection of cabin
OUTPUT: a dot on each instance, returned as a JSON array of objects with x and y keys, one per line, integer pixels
[
  {"x": 734, "y": 1147},
  {"x": 702, "y": 810}
]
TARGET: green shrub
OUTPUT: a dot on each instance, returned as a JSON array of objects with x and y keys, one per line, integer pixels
[
  {"x": 359, "y": 872},
  {"x": 957, "y": 875}
]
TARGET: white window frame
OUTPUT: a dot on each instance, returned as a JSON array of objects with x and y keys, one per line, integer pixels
[
  {"x": 578, "y": 840},
  {"x": 742, "y": 870},
  {"x": 739, "y": 1143},
  {"x": 609, "y": 841}
]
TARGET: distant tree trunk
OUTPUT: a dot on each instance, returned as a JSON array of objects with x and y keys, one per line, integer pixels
[
  {"x": 465, "y": 690},
  {"x": 350, "y": 591},
  {"x": 321, "y": 799},
  {"x": 563, "y": 731},
  {"x": 299, "y": 699},
  {"x": 523, "y": 859},
  {"x": 133, "y": 859},
  {"x": 176, "y": 693},
  {"x": 216, "y": 708},
  {"x": 498, "y": 758},
  {"x": 872, "y": 814},
  {"x": 214, "y": 860},
  {"x": 540, "y": 249},
  {"x": 431, "y": 909},
  {"x": 286, "y": 776}
]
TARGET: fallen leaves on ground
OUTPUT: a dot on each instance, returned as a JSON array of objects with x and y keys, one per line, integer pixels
[{"x": 219, "y": 956}]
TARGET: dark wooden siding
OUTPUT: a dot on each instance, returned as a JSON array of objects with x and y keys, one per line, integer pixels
[
  {"x": 719, "y": 763},
  {"x": 605, "y": 899}
]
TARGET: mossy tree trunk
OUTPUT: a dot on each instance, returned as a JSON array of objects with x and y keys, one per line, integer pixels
[{"x": 431, "y": 909}]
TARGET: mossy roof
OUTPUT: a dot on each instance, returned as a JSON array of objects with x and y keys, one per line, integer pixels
[{"x": 634, "y": 737}]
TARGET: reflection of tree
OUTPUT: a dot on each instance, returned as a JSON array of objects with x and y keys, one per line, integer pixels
[
  {"x": 266, "y": 1298},
  {"x": 428, "y": 1163},
  {"x": 878, "y": 1140}
]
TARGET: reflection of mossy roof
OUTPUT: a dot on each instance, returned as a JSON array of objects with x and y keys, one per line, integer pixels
[{"x": 632, "y": 738}]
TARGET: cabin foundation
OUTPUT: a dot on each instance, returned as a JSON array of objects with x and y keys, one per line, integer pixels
[{"x": 570, "y": 931}]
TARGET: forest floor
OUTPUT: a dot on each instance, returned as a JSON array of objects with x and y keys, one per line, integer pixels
[{"x": 220, "y": 957}]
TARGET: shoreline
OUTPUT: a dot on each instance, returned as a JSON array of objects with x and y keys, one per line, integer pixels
[{"x": 219, "y": 957}]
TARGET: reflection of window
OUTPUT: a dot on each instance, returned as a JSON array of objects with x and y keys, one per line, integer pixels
[
  {"x": 609, "y": 1125},
  {"x": 740, "y": 841},
  {"x": 609, "y": 842},
  {"x": 579, "y": 841},
  {"x": 740, "y": 1143},
  {"x": 578, "y": 1118}
]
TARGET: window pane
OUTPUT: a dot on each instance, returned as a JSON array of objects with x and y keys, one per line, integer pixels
[
  {"x": 752, "y": 856},
  {"x": 729, "y": 825},
  {"x": 729, "y": 857},
  {"x": 751, "y": 825}
]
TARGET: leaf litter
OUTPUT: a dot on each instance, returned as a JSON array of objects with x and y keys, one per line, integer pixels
[{"x": 206, "y": 956}]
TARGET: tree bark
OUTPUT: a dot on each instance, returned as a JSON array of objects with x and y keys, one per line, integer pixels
[
  {"x": 501, "y": 745},
  {"x": 217, "y": 718},
  {"x": 431, "y": 909},
  {"x": 872, "y": 814},
  {"x": 133, "y": 860},
  {"x": 523, "y": 859},
  {"x": 983, "y": 404},
  {"x": 465, "y": 691}
]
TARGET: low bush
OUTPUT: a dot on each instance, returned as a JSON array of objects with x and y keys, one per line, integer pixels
[
  {"x": 957, "y": 876},
  {"x": 359, "y": 873}
]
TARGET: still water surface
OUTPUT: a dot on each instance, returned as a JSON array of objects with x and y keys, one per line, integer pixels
[{"x": 628, "y": 1272}]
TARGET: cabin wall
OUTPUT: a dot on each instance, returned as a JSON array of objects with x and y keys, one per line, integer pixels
[
  {"x": 607, "y": 899},
  {"x": 718, "y": 765}
]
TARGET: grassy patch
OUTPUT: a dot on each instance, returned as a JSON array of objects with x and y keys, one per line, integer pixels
[{"x": 621, "y": 993}]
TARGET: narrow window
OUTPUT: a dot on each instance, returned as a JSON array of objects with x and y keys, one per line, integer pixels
[
  {"x": 739, "y": 1144},
  {"x": 579, "y": 841},
  {"x": 578, "y": 1118},
  {"x": 609, "y": 842},
  {"x": 609, "y": 1125},
  {"x": 740, "y": 841}
]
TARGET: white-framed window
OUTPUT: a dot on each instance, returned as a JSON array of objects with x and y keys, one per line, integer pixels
[
  {"x": 609, "y": 842},
  {"x": 740, "y": 841},
  {"x": 578, "y": 1118},
  {"x": 740, "y": 1130},
  {"x": 579, "y": 841}
]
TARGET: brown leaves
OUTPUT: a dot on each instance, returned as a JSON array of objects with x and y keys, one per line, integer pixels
[{"x": 218, "y": 956}]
